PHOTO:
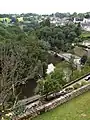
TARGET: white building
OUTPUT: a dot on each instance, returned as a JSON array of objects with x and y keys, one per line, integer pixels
[
  {"x": 50, "y": 68},
  {"x": 81, "y": 20}
]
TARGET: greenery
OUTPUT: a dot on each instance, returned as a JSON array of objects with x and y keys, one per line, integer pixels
[
  {"x": 76, "y": 109},
  {"x": 69, "y": 89},
  {"x": 83, "y": 83},
  {"x": 18, "y": 110},
  {"x": 84, "y": 70},
  {"x": 63, "y": 74},
  {"x": 76, "y": 86},
  {"x": 21, "y": 59},
  {"x": 56, "y": 80},
  {"x": 24, "y": 49},
  {"x": 52, "y": 83},
  {"x": 85, "y": 35},
  {"x": 60, "y": 37}
]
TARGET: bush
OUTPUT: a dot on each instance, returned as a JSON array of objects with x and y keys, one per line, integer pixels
[
  {"x": 83, "y": 83},
  {"x": 69, "y": 89},
  {"x": 76, "y": 86}
]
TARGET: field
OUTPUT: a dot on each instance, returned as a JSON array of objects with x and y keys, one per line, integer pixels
[
  {"x": 8, "y": 20},
  {"x": 85, "y": 35},
  {"x": 79, "y": 51},
  {"x": 76, "y": 109}
]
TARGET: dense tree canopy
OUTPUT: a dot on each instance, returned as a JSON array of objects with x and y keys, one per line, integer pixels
[
  {"x": 52, "y": 83},
  {"x": 22, "y": 58},
  {"x": 61, "y": 37}
]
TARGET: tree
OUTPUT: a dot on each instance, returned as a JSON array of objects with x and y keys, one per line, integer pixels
[
  {"x": 81, "y": 15},
  {"x": 40, "y": 87},
  {"x": 60, "y": 37},
  {"x": 71, "y": 65},
  {"x": 45, "y": 23},
  {"x": 58, "y": 75},
  {"x": 51, "y": 84},
  {"x": 78, "y": 29},
  {"x": 74, "y": 15},
  {"x": 72, "y": 36},
  {"x": 20, "y": 61}
]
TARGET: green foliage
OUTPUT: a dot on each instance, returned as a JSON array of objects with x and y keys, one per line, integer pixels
[
  {"x": 22, "y": 59},
  {"x": 24, "y": 56},
  {"x": 52, "y": 83},
  {"x": 83, "y": 83},
  {"x": 78, "y": 74},
  {"x": 6, "y": 118},
  {"x": 60, "y": 37},
  {"x": 58, "y": 75},
  {"x": 40, "y": 87},
  {"x": 19, "y": 109},
  {"x": 76, "y": 86},
  {"x": 85, "y": 35},
  {"x": 69, "y": 89},
  {"x": 71, "y": 64},
  {"x": 44, "y": 87},
  {"x": 78, "y": 29},
  {"x": 46, "y": 22}
]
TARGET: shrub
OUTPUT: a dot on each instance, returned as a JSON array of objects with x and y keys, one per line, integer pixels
[
  {"x": 83, "y": 83},
  {"x": 76, "y": 86},
  {"x": 69, "y": 89}
]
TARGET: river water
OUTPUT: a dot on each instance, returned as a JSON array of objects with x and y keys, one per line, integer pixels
[{"x": 27, "y": 90}]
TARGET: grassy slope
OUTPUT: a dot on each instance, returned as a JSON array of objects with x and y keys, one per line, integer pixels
[
  {"x": 79, "y": 51},
  {"x": 76, "y": 109},
  {"x": 76, "y": 74},
  {"x": 85, "y": 35}
]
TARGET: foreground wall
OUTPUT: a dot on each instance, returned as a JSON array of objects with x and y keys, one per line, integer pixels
[{"x": 54, "y": 103}]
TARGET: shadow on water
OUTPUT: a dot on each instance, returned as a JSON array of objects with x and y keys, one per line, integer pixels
[{"x": 27, "y": 90}]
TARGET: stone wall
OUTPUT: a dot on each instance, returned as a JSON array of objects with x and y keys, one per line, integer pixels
[{"x": 55, "y": 103}]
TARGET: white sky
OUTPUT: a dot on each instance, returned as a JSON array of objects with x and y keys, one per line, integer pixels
[{"x": 44, "y": 6}]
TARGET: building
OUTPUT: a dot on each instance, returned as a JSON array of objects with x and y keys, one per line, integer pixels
[{"x": 50, "y": 69}]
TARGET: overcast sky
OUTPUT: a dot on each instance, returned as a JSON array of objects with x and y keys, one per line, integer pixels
[{"x": 44, "y": 6}]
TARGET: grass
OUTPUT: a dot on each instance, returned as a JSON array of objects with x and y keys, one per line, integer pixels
[
  {"x": 76, "y": 109},
  {"x": 62, "y": 65},
  {"x": 79, "y": 51},
  {"x": 76, "y": 73},
  {"x": 8, "y": 20},
  {"x": 85, "y": 34}
]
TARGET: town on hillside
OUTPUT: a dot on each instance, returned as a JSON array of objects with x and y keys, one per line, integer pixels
[{"x": 56, "y": 19}]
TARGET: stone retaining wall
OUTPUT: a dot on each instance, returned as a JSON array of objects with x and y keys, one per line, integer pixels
[{"x": 55, "y": 103}]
